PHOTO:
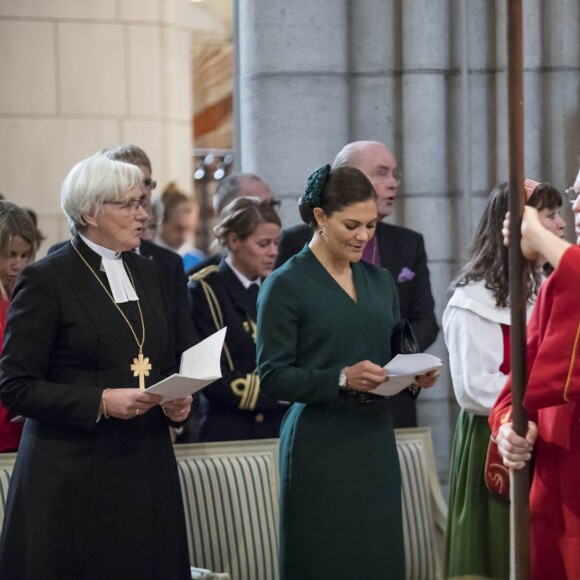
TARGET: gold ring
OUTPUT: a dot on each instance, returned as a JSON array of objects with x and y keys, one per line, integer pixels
[{"x": 137, "y": 411}]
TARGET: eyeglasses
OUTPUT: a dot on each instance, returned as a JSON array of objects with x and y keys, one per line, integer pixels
[
  {"x": 384, "y": 173},
  {"x": 131, "y": 205},
  {"x": 572, "y": 194},
  {"x": 150, "y": 183}
]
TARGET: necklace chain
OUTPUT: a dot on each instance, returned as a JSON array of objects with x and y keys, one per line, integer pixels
[{"x": 142, "y": 342}]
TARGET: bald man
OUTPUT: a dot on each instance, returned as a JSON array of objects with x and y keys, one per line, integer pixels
[
  {"x": 231, "y": 187},
  {"x": 239, "y": 185}
]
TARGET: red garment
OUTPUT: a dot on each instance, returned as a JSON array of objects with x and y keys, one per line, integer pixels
[
  {"x": 551, "y": 399},
  {"x": 10, "y": 433}
]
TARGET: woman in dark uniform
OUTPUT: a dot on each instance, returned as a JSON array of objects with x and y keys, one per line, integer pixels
[
  {"x": 233, "y": 408},
  {"x": 95, "y": 491},
  {"x": 325, "y": 320}
]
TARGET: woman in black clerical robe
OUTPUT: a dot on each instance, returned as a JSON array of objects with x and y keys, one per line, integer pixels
[
  {"x": 95, "y": 491},
  {"x": 233, "y": 407}
]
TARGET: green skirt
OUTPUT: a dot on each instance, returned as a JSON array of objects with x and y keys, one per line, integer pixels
[
  {"x": 340, "y": 500},
  {"x": 477, "y": 540}
]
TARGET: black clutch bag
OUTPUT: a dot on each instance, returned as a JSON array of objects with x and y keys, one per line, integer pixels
[{"x": 403, "y": 341}]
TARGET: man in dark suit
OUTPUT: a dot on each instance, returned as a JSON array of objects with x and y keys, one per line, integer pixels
[
  {"x": 169, "y": 263},
  {"x": 398, "y": 249},
  {"x": 174, "y": 284}
]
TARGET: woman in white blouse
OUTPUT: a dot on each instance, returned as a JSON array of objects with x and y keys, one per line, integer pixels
[{"x": 476, "y": 328}]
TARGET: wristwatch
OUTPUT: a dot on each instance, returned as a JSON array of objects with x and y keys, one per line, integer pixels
[{"x": 342, "y": 379}]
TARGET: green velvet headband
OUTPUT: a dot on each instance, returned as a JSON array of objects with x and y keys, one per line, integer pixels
[{"x": 314, "y": 187}]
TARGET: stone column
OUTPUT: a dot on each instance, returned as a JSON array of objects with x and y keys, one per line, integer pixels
[
  {"x": 375, "y": 79},
  {"x": 560, "y": 118},
  {"x": 427, "y": 207},
  {"x": 533, "y": 94},
  {"x": 80, "y": 76},
  {"x": 293, "y": 91}
]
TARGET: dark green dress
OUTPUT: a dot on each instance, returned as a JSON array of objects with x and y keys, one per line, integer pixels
[{"x": 340, "y": 478}]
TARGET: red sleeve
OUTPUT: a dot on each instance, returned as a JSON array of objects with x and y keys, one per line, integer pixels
[
  {"x": 552, "y": 345},
  {"x": 553, "y": 357},
  {"x": 502, "y": 410}
]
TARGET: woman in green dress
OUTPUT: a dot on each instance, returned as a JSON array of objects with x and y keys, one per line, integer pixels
[{"x": 325, "y": 320}]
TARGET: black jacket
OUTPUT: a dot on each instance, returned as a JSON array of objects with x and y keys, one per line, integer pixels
[
  {"x": 174, "y": 283},
  {"x": 233, "y": 407},
  {"x": 97, "y": 483}
]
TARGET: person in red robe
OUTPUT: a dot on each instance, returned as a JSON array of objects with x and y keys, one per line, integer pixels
[{"x": 551, "y": 399}]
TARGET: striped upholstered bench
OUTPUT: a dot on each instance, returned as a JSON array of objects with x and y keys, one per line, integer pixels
[
  {"x": 230, "y": 493},
  {"x": 424, "y": 509},
  {"x": 231, "y": 505}
]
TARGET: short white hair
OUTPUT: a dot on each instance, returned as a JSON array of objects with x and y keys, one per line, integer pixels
[{"x": 93, "y": 181}]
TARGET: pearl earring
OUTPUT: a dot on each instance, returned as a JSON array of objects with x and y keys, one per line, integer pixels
[{"x": 320, "y": 232}]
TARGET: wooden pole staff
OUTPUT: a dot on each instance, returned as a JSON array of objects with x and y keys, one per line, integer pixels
[{"x": 520, "y": 480}]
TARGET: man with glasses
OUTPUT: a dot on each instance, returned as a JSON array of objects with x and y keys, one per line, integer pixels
[
  {"x": 136, "y": 156},
  {"x": 398, "y": 249},
  {"x": 169, "y": 263}
]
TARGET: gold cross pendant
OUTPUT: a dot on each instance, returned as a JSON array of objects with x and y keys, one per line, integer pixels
[{"x": 141, "y": 367}]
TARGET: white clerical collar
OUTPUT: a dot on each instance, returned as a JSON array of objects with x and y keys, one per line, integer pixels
[
  {"x": 246, "y": 282},
  {"x": 114, "y": 269}
]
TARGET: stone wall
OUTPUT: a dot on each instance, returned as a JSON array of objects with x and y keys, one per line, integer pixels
[{"x": 80, "y": 76}]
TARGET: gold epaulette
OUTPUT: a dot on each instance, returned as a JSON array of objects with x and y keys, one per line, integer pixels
[
  {"x": 204, "y": 273},
  {"x": 248, "y": 389}
]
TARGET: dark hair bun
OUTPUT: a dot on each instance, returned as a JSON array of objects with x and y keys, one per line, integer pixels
[
  {"x": 315, "y": 186},
  {"x": 306, "y": 212}
]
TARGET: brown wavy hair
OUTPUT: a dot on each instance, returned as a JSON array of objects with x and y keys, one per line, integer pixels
[
  {"x": 487, "y": 257},
  {"x": 16, "y": 221}
]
